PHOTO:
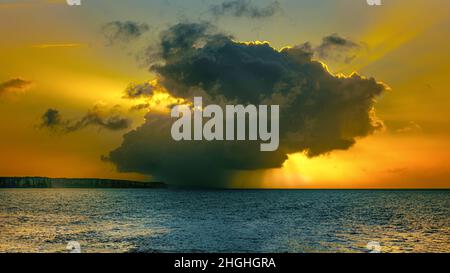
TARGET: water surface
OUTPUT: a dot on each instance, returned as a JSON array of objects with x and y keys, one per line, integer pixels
[{"x": 164, "y": 220}]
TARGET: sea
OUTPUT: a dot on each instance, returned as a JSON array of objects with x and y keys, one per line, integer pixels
[{"x": 171, "y": 220}]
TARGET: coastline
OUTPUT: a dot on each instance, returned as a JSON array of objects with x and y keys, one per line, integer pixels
[{"x": 46, "y": 182}]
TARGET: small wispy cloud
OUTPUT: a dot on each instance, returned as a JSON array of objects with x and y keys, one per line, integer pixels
[
  {"x": 13, "y": 85},
  {"x": 113, "y": 120},
  {"x": 123, "y": 31},
  {"x": 62, "y": 45},
  {"x": 139, "y": 90},
  {"x": 139, "y": 107},
  {"x": 245, "y": 8},
  {"x": 335, "y": 48},
  {"x": 410, "y": 127}
]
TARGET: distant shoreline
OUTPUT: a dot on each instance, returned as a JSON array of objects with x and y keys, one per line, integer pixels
[
  {"x": 92, "y": 183},
  {"x": 46, "y": 182}
]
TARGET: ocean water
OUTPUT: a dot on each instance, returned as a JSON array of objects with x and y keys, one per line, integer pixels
[{"x": 164, "y": 220}]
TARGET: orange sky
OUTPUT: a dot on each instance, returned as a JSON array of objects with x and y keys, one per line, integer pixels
[{"x": 60, "y": 51}]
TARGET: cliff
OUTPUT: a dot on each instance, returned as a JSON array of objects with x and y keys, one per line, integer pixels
[{"x": 45, "y": 182}]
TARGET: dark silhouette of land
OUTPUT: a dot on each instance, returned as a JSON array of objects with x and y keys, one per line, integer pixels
[{"x": 46, "y": 182}]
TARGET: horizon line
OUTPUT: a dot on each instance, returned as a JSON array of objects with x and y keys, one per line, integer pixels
[{"x": 194, "y": 187}]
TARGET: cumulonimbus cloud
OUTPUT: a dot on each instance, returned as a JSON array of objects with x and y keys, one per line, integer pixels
[
  {"x": 15, "y": 84},
  {"x": 319, "y": 112},
  {"x": 53, "y": 120},
  {"x": 245, "y": 8}
]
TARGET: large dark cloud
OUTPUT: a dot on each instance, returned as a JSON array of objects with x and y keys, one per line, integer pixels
[
  {"x": 245, "y": 8},
  {"x": 53, "y": 120},
  {"x": 319, "y": 112},
  {"x": 15, "y": 84},
  {"x": 123, "y": 31}
]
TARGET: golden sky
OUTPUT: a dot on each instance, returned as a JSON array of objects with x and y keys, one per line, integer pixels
[{"x": 61, "y": 54}]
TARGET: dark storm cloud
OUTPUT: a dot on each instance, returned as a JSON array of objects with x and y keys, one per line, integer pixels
[
  {"x": 53, "y": 120},
  {"x": 319, "y": 112},
  {"x": 118, "y": 31},
  {"x": 12, "y": 85},
  {"x": 245, "y": 8}
]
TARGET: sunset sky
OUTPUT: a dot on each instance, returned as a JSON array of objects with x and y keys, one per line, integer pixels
[{"x": 53, "y": 56}]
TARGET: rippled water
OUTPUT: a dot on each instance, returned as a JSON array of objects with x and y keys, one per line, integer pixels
[{"x": 160, "y": 220}]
